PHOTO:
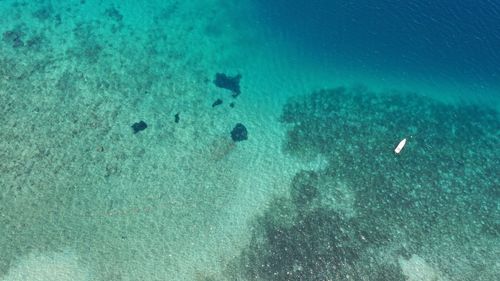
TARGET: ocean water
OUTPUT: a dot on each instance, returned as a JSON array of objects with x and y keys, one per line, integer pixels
[
  {"x": 123, "y": 154},
  {"x": 434, "y": 43}
]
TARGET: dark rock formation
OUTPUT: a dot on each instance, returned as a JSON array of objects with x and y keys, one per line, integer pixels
[
  {"x": 139, "y": 126},
  {"x": 217, "y": 102},
  {"x": 177, "y": 118},
  {"x": 239, "y": 133},
  {"x": 231, "y": 83}
]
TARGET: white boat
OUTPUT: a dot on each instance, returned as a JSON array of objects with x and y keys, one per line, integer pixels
[{"x": 400, "y": 146}]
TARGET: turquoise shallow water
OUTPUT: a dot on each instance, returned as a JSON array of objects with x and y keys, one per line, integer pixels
[{"x": 121, "y": 157}]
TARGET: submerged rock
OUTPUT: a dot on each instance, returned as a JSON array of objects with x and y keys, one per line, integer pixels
[
  {"x": 139, "y": 126},
  {"x": 231, "y": 83},
  {"x": 217, "y": 102},
  {"x": 239, "y": 133}
]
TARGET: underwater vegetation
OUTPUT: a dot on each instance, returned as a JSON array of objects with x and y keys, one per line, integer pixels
[
  {"x": 139, "y": 126},
  {"x": 231, "y": 83},
  {"x": 239, "y": 133},
  {"x": 450, "y": 163},
  {"x": 435, "y": 199}
]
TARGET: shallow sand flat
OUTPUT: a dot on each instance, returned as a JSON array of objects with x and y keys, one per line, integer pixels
[{"x": 76, "y": 176}]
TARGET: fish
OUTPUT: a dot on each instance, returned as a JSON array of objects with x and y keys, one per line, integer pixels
[{"x": 400, "y": 146}]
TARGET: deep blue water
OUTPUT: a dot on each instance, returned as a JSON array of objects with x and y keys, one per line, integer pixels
[{"x": 449, "y": 38}]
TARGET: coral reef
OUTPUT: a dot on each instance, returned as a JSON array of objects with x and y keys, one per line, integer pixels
[
  {"x": 217, "y": 102},
  {"x": 114, "y": 14},
  {"x": 231, "y": 83},
  {"x": 405, "y": 204},
  {"x": 139, "y": 126},
  {"x": 239, "y": 133},
  {"x": 14, "y": 38}
]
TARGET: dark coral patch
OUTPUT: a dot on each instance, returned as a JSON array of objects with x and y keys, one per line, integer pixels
[
  {"x": 318, "y": 244},
  {"x": 304, "y": 187},
  {"x": 239, "y": 133},
  {"x": 139, "y": 126},
  {"x": 14, "y": 38},
  {"x": 114, "y": 14},
  {"x": 339, "y": 221},
  {"x": 43, "y": 13},
  {"x": 217, "y": 102},
  {"x": 231, "y": 83}
]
